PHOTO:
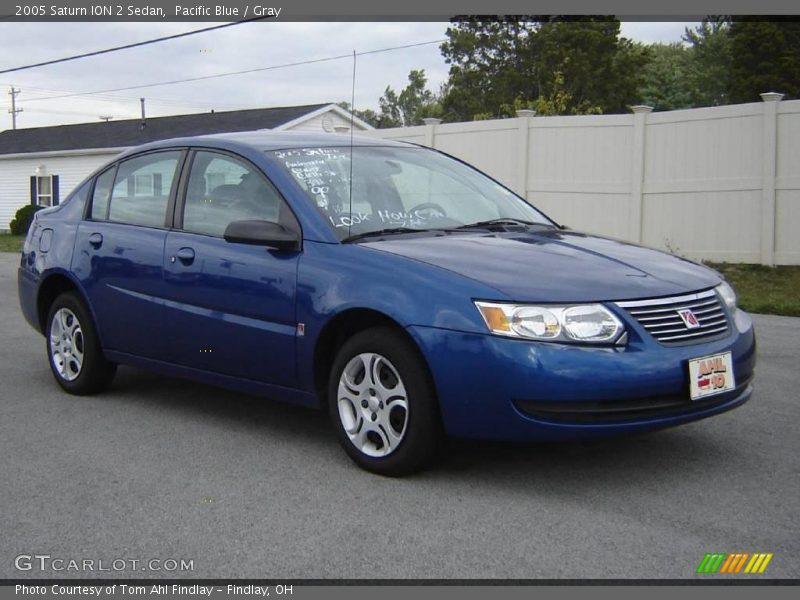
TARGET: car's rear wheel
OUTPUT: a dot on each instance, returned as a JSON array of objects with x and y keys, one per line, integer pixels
[
  {"x": 383, "y": 404},
  {"x": 73, "y": 348}
]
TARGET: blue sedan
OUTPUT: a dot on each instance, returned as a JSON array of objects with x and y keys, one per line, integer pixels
[{"x": 400, "y": 289}]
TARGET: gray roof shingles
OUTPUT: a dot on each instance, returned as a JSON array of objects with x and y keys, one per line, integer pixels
[{"x": 119, "y": 134}]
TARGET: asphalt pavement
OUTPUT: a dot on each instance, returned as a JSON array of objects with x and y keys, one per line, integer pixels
[{"x": 165, "y": 469}]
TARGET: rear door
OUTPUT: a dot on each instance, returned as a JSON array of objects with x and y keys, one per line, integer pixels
[
  {"x": 120, "y": 247},
  {"x": 230, "y": 307}
]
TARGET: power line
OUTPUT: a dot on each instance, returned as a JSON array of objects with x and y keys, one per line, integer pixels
[
  {"x": 120, "y": 104},
  {"x": 45, "y": 94},
  {"x": 71, "y": 112},
  {"x": 231, "y": 73},
  {"x": 116, "y": 98},
  {"x": 128, "y": 46}
]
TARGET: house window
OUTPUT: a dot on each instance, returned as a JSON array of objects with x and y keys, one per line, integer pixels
[
  {"x": 145, "y": 184},
  {"x": 44, "y": 188}
]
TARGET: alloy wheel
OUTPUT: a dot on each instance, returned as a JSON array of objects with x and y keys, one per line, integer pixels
[
  {"x": 373, "y": 404},
  {"x": 66, "y": 344}
]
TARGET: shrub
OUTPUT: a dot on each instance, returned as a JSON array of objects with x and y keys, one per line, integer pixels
[{"x": 22, "y": 220}]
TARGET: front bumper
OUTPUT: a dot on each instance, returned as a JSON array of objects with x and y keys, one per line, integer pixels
[{"x": 498, "y": 388}]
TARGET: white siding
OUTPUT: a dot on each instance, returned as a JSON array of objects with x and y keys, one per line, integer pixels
[
  {"x": 72, "y": 168},
  {"x": 314, "y": 124},
  {"x": 15, "y": 174}
]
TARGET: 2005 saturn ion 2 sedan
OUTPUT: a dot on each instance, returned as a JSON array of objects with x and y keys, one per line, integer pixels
[{"x": 407, "y": 293}]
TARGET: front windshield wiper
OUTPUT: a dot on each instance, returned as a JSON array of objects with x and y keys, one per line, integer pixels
[
  {"x": 501, "y": 221},
  {"x": 380, "y": 232},
  {"x": 479, "y": 225}
]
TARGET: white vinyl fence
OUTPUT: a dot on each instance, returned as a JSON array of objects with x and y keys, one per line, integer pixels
[{"x": 718, "y": 183}]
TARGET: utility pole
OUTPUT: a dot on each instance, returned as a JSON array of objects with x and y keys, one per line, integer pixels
[{"x": 14, "y": 110}]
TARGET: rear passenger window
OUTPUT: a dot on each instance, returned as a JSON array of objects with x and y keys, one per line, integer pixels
[
  {"x": 102, "y": 190},
  {"x": 141, "y": 189}
]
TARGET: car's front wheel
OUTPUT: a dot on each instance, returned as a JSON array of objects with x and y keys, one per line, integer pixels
[
  {"x": 73, "y": 347},
  {"x": 383, "y": 404}
]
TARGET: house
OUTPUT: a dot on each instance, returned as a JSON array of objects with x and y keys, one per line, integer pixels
[{"x": 42, "y": 165}]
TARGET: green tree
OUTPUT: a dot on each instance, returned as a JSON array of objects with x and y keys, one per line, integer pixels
[
  {"x": 765, "y": 58},
  {"x": 367, "y": 115},
  {"x": 600, "y": 70},
  {"x": 490, "y": 65},
  {"x": 411, "y": 105},
  {"x": 560, "y": 101},
  {"x": 584, "y": 63},
  {"x": 390, "y": 115},
  {"x": 665, "y": 82},
  {"x": 708, "y": 73}
]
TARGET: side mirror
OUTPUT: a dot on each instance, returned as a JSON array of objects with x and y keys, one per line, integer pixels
[{"x": 262, "y": 233}]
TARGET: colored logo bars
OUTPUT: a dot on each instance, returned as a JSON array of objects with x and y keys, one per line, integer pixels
[{"x": 720, "y": 562}]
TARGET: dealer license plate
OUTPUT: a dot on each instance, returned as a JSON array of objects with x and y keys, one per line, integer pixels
[{"x": 710, "y": 375}]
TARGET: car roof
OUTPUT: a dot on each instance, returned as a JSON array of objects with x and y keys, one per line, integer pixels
[{"x": 272, "y": 140}]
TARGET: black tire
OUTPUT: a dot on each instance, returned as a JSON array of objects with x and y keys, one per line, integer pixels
[
  {"x": 422, "y": 432},
  {"x": 95, "y": 373}
]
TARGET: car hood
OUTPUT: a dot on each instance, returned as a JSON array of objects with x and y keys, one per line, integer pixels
[{"x": 555, "y": 265}]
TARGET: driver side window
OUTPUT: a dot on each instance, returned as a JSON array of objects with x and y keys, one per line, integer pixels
[{"x": 222, "y": 189}]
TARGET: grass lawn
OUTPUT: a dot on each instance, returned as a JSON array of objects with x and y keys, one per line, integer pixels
[
  {"x": 772, "y": 290},
  {"x": 11, "y": 243}
]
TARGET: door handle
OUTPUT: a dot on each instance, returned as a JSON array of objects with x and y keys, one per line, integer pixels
[
  {"x": 185, "y": 255},
  {"x": 96, "y": 240}
]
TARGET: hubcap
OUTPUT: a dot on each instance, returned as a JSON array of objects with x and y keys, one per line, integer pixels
[
  {"x": 373, "y": 405},
  {"x": 66, "y": 344}
]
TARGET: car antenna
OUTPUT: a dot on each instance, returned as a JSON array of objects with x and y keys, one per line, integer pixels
[{"x": 352, "y": 122}]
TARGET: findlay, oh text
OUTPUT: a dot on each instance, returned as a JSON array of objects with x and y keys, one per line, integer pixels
[{"x": 136, "y": 590}]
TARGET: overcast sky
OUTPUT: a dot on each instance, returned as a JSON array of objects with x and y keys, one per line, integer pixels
[{"x": 246, "y": 46}]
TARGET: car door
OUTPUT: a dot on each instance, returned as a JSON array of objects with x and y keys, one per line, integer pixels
[
  {"x": 230, "y": 306},
  {"x": 119, "y": 251}
]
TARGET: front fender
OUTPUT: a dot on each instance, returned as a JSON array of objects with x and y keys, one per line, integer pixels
[{"x": 334, "y": 278}]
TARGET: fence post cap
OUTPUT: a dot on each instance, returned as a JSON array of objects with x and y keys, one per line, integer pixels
[
  {"x": 431, "y": 121},
  {"x": 526, "y": 112},
  {"x": 771, "y": 96},
  {"x": 641, "y": 108}
]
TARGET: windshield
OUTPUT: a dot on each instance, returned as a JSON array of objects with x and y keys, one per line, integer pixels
[{"x": 399, "y": 188}]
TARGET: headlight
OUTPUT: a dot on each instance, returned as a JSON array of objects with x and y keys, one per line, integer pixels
[
  {"x": 727, "y": 294},
  {"x": 535, "y": 322},
  {"x": 586, "y": 323}
]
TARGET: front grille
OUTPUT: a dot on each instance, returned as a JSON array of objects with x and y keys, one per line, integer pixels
[{"x": 662, "y": 319}]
